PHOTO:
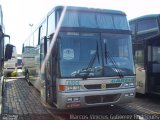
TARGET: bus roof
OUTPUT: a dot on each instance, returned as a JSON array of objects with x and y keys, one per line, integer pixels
[
  {"x": 59, "y": 8},
  {"x": 145, "y": 17}
]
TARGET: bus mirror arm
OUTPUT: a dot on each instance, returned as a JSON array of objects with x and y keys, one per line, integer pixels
[
  {"x": 7, "y": 37},
  {"x": 48, "y": 38}
]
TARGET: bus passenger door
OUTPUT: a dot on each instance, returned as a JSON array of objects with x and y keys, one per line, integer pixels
[
  {"x": 154, "y": 66},
  {"x": 140, "y": 71},
  {"x": 43, "y": 75},
  {"x": 51, "y": 74}
]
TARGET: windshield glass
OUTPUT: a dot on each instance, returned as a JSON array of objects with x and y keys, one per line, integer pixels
[
  {"x": 118, "y": 53},
  {"x": 85, "y": 56},
  {"x": 79, "y": 56}
]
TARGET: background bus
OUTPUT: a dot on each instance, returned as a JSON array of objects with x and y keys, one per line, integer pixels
[
  {"x": 19, "y": 62},
  {"x": 10, "y": 65},
  {"x": 28, "y": 61},
  {"x": 146, "y": 50},
  {"x": 4, "y": 55},
  {"x": 91, "y": 61},
  {"x": 1, "y": 42}
]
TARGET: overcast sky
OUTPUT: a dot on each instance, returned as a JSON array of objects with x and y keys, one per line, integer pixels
[{"x": 18, "y": 14}]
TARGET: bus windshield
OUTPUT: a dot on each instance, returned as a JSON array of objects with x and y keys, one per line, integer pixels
[{"x": 82, "y": 56}]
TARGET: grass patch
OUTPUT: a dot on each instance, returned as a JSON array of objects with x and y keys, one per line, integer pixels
[{"x": 11, "y": 73}]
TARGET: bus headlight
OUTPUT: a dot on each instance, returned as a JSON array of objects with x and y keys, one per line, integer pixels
[
  {"x": 131, "y": 84},
  {"x": 126, "y": 85}
]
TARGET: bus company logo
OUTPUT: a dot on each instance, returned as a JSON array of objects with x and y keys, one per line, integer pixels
[
  {"x": 72, "y": 82},
  {"x": 122, "y": 80},
  {"x": 103, "y": 86}
]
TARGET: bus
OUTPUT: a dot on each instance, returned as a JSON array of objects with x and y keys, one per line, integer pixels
[
  {"x": 90, "y": 63},
  {"x": 29, "y": 63},
  {"x": 19, "y": 62},
  {"x": 5, "y": 53},
  {"x": 146, "y": 51},
  {"x": 10, "y": 65},
  {"x": 1, "y": 42}
]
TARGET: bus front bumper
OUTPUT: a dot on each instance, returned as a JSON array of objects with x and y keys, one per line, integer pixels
[{"x": 69, "y": 100}]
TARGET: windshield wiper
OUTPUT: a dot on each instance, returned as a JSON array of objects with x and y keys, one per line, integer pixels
[
  {"x": 107, "y": 55},
  {"x": 85, "y": 72}
]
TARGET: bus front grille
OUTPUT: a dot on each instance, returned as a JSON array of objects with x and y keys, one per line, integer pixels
[
  {"x": 99, "y": 86},
  {"x": 102, "y": 98}
]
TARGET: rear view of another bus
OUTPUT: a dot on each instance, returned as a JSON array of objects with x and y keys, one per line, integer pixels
[
  {"x": 10, "y": 65},
  {"x": 28, "y": 60},
  {"x": 19, "y": 63}
]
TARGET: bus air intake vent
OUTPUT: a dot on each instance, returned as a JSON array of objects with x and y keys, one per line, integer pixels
[
  {"x": 102, "y": 98},
  {"x": 98, "y": 86}
]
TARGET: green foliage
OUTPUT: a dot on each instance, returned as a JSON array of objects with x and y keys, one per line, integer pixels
[
  {"x": 14, "y": 73},
  {"x": 11, "y": 73}
]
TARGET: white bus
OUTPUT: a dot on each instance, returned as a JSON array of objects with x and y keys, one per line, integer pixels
[
  {"x": 91, "y": 62},
  {"x": 146, "y": 51},
  {"x": 10, "y": 65},
  {"x": 5, "y": 53}
]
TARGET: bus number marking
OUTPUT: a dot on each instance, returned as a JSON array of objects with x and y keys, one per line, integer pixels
[{"x": 72, "y": 82}]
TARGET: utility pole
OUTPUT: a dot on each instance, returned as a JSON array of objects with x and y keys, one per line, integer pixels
[{"x": 31, "y": 25}]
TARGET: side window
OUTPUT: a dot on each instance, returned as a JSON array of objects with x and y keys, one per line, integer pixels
[
  {"x": 132, "y": 27},
  {"x": 148, "y": 25},
  {"x": 41, "y": 53},
  {"x": 42, "y": 29},
  {"x": 35, "y": 38},
  {"x": 156, "y": 54},
  {"x": 139, "y": 58},
  {"x": 51, "y": 23},
  {"x": 156, "y": 59}
]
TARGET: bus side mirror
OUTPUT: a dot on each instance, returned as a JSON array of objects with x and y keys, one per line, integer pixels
[{"x": 8, "y": 51}]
